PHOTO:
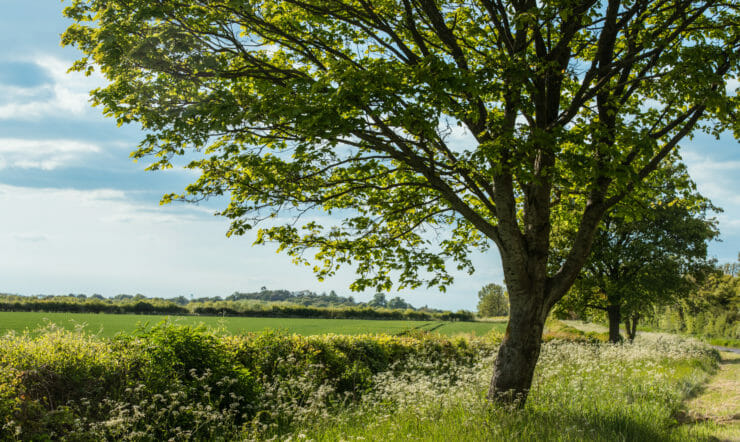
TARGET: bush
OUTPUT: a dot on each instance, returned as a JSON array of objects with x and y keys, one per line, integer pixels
[{"x": 51, "y": 375}]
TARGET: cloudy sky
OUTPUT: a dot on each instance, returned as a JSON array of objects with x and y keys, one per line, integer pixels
[{"x": 78, "y": 216}]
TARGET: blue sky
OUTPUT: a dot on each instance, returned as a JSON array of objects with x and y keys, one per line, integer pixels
[{"x": 77, "y": 215}]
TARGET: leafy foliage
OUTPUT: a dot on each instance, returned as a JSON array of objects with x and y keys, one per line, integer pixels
[
  {"x": 711, "y": 310},
  {"x": 354, "y": 109},
  {"x": 493, "y": 301},
  {"x": 650, "y": 251}
]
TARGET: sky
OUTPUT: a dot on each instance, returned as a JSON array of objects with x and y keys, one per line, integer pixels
[{"x": 77, "y": 215}]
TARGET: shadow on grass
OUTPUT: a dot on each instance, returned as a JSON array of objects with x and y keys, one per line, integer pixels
[
  {"x": 555, "y": 425},
  {"x": 546, "y": 425},
  {"x": 732, "y": 361}
]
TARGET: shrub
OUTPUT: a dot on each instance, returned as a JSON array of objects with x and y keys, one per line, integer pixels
[{"x": 50, "y": 375}]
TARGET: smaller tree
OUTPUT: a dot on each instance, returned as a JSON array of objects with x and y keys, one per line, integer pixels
[
  {"x": 378, "y": 301},
  {"x": 650, "y": 251},
  {"x": 398, "y": 303},
  {"x": 493, "y": 301}
]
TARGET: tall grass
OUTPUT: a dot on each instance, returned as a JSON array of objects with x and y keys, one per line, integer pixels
[{"x": 598, "y": 392}]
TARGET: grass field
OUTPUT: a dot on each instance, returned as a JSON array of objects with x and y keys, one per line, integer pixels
[{"x": 107, "y": 325}]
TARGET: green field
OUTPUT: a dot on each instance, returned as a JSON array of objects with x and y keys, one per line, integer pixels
[{"x": 107, "y": 325}]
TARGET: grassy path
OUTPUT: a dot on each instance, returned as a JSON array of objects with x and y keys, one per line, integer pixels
[{"x": 715, "y": 412}]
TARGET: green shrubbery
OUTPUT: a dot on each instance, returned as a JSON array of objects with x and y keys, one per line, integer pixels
[
  {"x": 712, "y": 311},
  {"x": 176, "y": 381},
  {"x": 74, "y": 304},
  {"x": 581, "y": 392}
]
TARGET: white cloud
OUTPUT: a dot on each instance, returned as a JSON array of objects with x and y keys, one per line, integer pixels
[
  {"x": 30, "y": 237},
  {"x": 42, "y": 154},
  {"x": 66, "y": 95},
  {"x": 717, "y": 180},
  {"x": 66, "y": 240}
]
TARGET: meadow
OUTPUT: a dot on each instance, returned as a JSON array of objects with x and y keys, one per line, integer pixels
[{"x": 108, "y": 325}]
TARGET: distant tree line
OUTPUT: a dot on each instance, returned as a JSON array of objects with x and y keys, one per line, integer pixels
[
  {"x": 304, "y": 297},
  {"x": 95, "y": 304},
  {"x": 227, "y": 308},
  {"x": 266, "y": 303},
  {"x": 309, "y": 298}
]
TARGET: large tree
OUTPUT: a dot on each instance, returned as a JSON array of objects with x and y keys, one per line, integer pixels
[
  {"x": 650, "y": 250},
  {"x": 353, "y": 107}
]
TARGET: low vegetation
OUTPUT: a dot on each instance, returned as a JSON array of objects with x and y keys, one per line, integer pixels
[
  {"x": 190, "y": 383},
  {"x": 715, "y": 411},
  {"x": 184, "y": 382}
]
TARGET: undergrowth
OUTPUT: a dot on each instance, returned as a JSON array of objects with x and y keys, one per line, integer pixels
[{"x": 183, "y": 383}]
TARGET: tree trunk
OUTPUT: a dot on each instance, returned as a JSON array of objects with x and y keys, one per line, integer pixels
[
  {"x": 630, "y": 325},
  {"x": 517, "y": 358},
  {"x": 614, "y": 313}
]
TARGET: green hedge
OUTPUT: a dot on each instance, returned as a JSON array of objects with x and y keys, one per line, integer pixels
[
  {"x": 71, "y": 304},
  {"x": 181, "y": 382},
  {"x": 157, "y": 306},
  {"x": 227, "y": 308}
]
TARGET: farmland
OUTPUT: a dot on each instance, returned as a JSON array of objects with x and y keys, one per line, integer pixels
[{"x": 106, "y": 325}]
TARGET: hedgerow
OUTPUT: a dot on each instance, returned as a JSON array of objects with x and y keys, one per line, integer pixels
[
  {"x": 157, "y": 306},
  {"x": 171, "y": 381}
]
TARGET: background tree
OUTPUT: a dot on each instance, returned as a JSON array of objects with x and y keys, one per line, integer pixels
[
  {"x": 493, "y": 301},
  {"x": 398, "y": 303},
  {"x": 649, "y": 251},
  {"x": 350, "y": 106},
  {"x": 378, "y": 300}
]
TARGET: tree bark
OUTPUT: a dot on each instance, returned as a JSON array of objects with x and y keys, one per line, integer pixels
[
  {"x": 517, "y": 358},
  {"x": 614, "y": 314},
  {"x": 630, "y": 325}
]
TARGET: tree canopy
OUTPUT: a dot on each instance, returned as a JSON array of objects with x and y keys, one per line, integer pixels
[
  {"x": 355, "y": 108},
  {"x": 650, "y": 251}
]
